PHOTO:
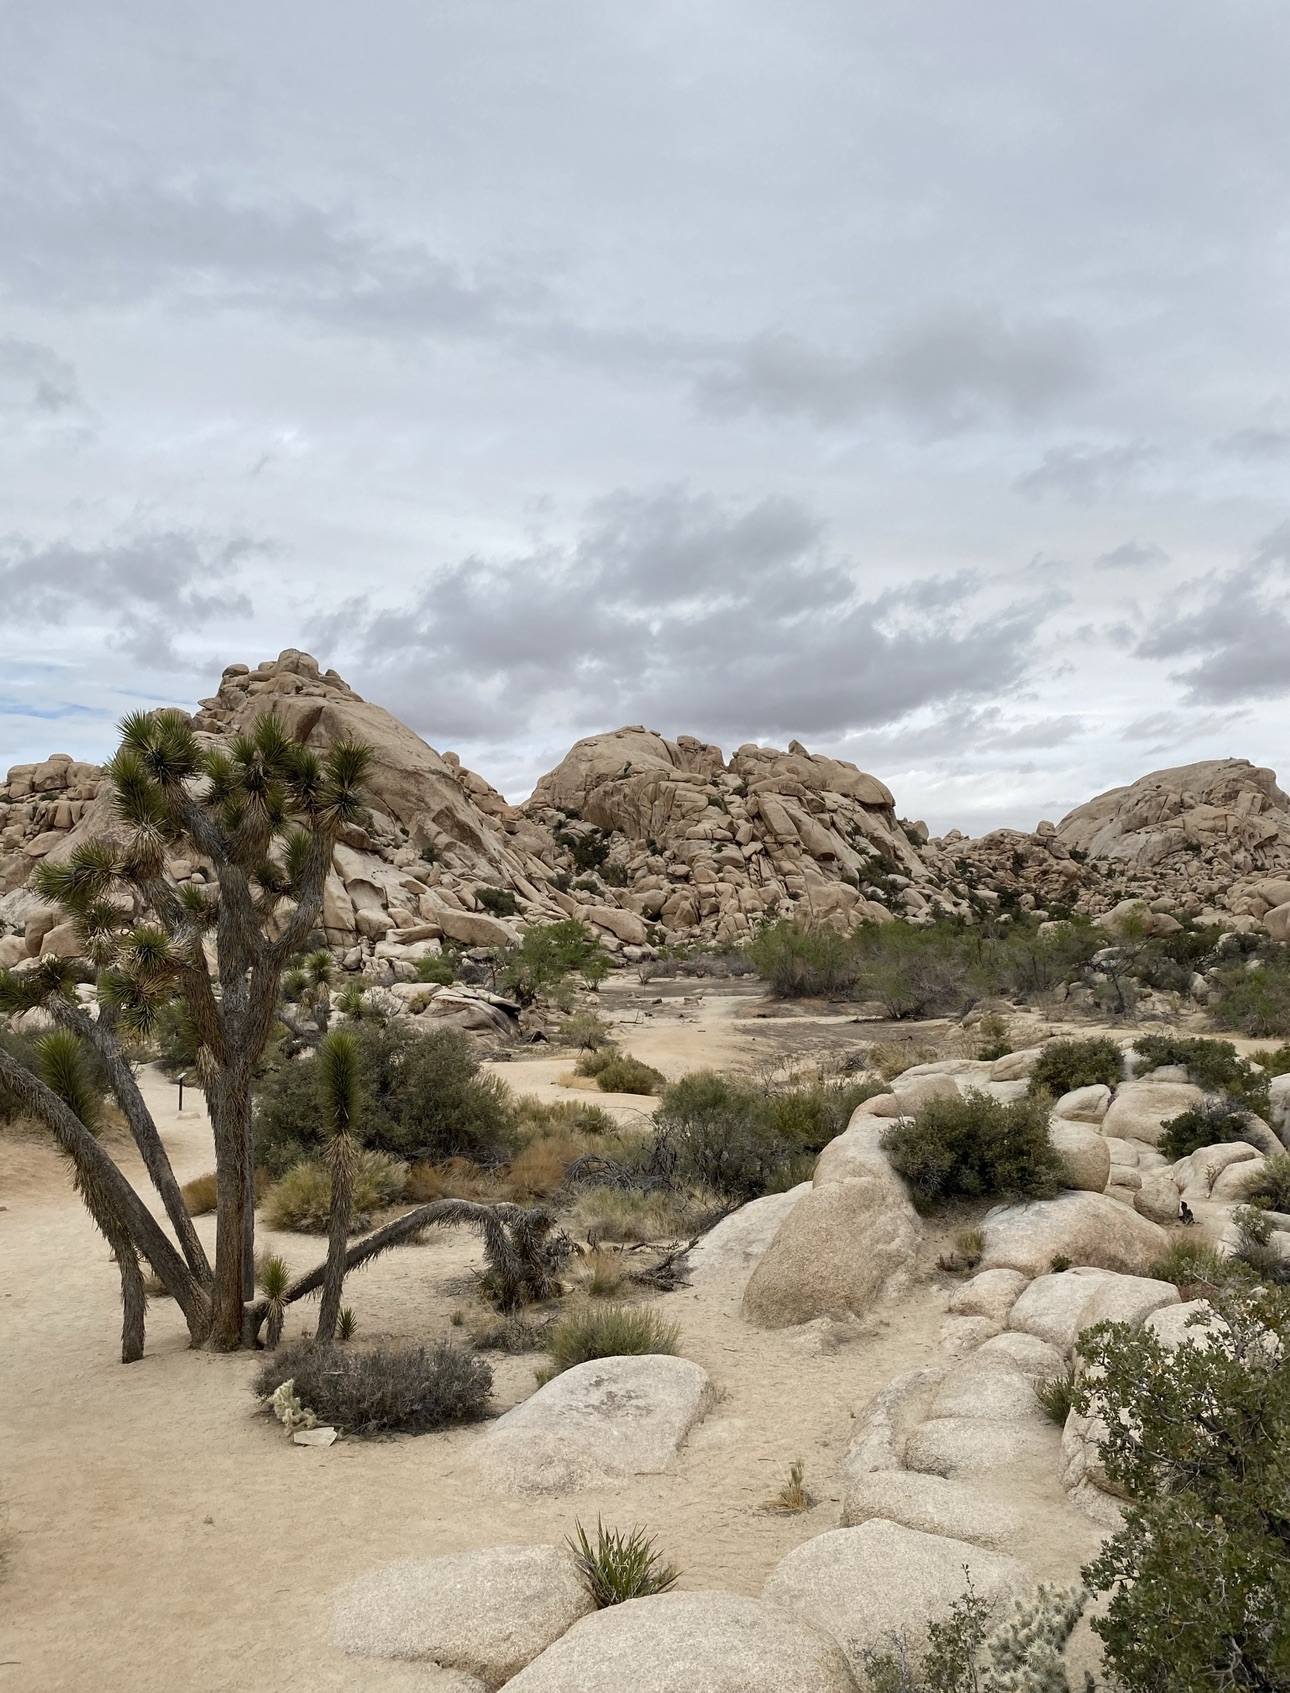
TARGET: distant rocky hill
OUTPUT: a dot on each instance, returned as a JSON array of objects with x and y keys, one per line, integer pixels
[{"x": 651, "y": 840}]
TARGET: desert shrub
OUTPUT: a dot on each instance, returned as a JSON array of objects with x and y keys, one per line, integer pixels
[
  {"x": 548, "y": 955},
  {"x": 1214, "y": 1122},
  {"x": 499, "y": 901},
  {"x": 797, "y": 962},
  {"x": 1275, "y": 1060},
  {"x": 913, "y": 972},
  {"x": 1256, "y": 1249},
  {"x": 1065, "y": 1065},
  {"x": 533, "y": 1118},
  {"x": 384, "y": 1390},
  {"x": 891, "y": 1058},
  {"x": 199, "y": 1195},
  {"x": 1191, "y": 1264},
  {"x": 174, "y": 1039},
  {"x": 606, "y": 1273},
  {"x": 792, "y": 1498},
  {"x": 422, "y": 1095},
  {"x": 633, "y": 1217},
  {"x": 609, "y": 1331},
  {"x": 1255, "y": 1002},
  {"x": 1198, "y": 1576},
  {"x": 440, "y": 968},
  {"x": 1269, "y": 1188},
  {"x": 1214, "y": 1065},
  {"x": 1054, "y": 1395},
  {"x": 301, "y": 1200},
  {"x": 975, "y": 1148},
  {"x": 586, "y": 1031},
  {"x": 620, "y": 1566},
  {"x": 619, "y": 1072}
]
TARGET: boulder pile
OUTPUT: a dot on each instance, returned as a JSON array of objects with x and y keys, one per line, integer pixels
[{"x": 651, "y": 840}]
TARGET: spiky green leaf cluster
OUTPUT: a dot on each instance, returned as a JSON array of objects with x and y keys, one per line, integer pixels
[{"x": 62, "y": 1067}]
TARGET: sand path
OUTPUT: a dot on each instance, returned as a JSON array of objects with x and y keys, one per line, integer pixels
[{"x": 162, "y": 1534}]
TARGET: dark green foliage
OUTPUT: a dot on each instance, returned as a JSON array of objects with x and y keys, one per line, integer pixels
[
  {"x": 975, "y": 1148},
  {"x": 1276, "y": 1060},
  {"x": 1255, "y": 1002},
  {"x": 1199, "y": 1439},
  {"x": 500, "y": 901},
  {"x": 441, "y": 969},
  {"x": 386, "y": 1390},
  {"x": 609, "y": 1331},
  {"x": 1256, "y": 1247},
  {"x": 548, "y": 955},
  {"x": 1270, "y": 1188},
  {"x": 742, "y": 1141},
  {"x": 70, "y": 1068},
  {"x": 619, "y": 1072},
  {"x": 1054, "y": 1394},
  {"x": 949, "y": 1663},
  {"x": 175, "y": 1040},
  {"x": 422, "y": 1098},
  {"x": 1192, "y": 1265},
  {"x": 1065, "y": 1065},
  {"x": 797, "y": 962},
  {"x": 1214, "y": 1065},
  {"x": 1214, "y": 1122},
  {"x": 620, "y": 1566}
]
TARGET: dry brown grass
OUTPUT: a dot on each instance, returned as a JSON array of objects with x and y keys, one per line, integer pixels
[
  {"x": 199, "y": 1195},
  {"x": 605, "y": 1273},
  {"x": 792, "y": 1498}
]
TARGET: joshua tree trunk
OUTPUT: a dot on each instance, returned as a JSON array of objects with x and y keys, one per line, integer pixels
[{"x": 342, "y": 1153}]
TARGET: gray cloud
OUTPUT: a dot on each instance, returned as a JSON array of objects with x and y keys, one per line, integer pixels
[
  {"x": 1084, "y": 475},
  {"x": 144, "y": 589},
  {"x": 677, "y": 611},
  {"x": 1258, "y": 441},
  {"x": 948, "y": 372},
  {"x": 1239, "y": 633},
  {"x": 34, "y": 381},
  {"x": 1133, "y": 555}
]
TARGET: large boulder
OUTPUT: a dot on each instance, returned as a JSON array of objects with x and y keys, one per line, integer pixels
[
  {"x": 987, "y": 1388},
  {"x": 930, "y": 1504},
  {"x": 968, "y": 1446},
  {"x": 1084, "y": 1105},
  {"x": 487, "y": 1613},
  {"x": 595, "y": 1425},
  {"x": 1085, "y": 1156},
  {"x": 1055, "y": 1308},
  {"x": 734, "y": 1247},
  {"x": 862, "y": 1585},
  {"x": 689, "y": 1643},
  {"x": 1083, "y": 1228},
  {"x": 1140, "y": 1109},
  {"x": 843, "y": 1246},
  {"x": 990, "y": 1294}
]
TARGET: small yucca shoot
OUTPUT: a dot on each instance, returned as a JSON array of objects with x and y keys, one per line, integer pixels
[
  {"x": 620, "y": 1566},
  {"x": 347, "y": 1324},
  {"x": 274, "y": 1280}
]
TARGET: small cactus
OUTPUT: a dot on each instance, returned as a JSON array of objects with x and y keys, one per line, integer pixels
[
  {"x": 1025, "y": 1653},
  {"x": 288, "y": 1409}
]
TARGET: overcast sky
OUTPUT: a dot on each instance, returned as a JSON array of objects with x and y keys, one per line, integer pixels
[{"x": 910, "y": 379}]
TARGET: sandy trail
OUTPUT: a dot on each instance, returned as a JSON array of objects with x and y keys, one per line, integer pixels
[{"x": 162, "y": 1534}]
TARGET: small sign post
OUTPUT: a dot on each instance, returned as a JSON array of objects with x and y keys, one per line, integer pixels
[{"x": 182, "y": 1080}]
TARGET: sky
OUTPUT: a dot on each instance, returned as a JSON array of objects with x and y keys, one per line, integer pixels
[{"x": 912, "y": 381}]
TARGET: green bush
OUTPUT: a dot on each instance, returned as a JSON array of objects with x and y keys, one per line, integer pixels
[
  {"x": 175, "y": 1040},
  {"x": 619, "y": 1072},
  {"x": 385, "y": 1390},
  {"x": 1065, "y": 1065},
  {"x": 1198, "y": 1577},
  {"x": 1255, "y": 1002},
  {"x": 609, "y": 1331},
  {"x": 975, "y": 1148},
  {"x": 1275, "y": 1060},
  {"x": 440, "y": 968},
  {"x": 88, "y": 1074},
  {"x": 423, "y": 1099},
  {"x": 1054, "y": 1395},
  {"x": 1191, "y": 1264},
  {"x": 499, "y": 901},
  {"x": 548, "y": 955},
  {"x": 301, "y": 1200},
  {"x": 1214, "y": 1065},
  {"x": 620, "y": 1566},
  {"x": 797, "y": 962},
  {"x": 1215, "y": 1122},
  {"x": 1270, "y": 1188},
  {"x": 628, "y": 1215}
]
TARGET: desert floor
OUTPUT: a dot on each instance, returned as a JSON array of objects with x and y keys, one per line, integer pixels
[{"x": 159, "y": 1532}]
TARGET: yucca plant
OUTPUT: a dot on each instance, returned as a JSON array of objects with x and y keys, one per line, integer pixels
[
  {"x": 620, "y": 1566},
  {"x": 347, "y": 1327},
  {"x": 275, "y": 1278}
]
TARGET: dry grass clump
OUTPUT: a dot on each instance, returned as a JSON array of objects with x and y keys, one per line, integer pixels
[
  {"x": 891, "y": 1058},
  {"x": 605, "y": 1273},
  {"x": 634, "y": 1218},
  {"x": 199, "y": 1195},
  {"x": 384, "y": 1390},
  {"x": 969, "y": 1249},
  {"x": 792, "y": 1498},
  {"x": 1056, "y": 1395},
  {"x": 301, "y": 1201},
  {"x": 609, "y": 1331},
  {"x": 586, "y": 1031}
]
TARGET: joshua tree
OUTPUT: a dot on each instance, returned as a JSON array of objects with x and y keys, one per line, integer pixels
[
  {"x": 340, "y": 1102},
  {"x": 264, "y": 816}
]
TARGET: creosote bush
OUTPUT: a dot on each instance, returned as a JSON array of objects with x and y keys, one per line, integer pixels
[
  {"x": 1065, "y": 1065},
  {"x": 1214, "y": 1065},
  {"x": 619, "y": 1072},
  {"x": 975, "y": 1148},
  {"x": 609, "y": 1331},
  {"x": 1214, "y": 1122},
  {"x": 620, "y": 1566},
  {"x": 384, "y": 1390},
  {"x": 1255, "y": 1002},
  {"x": 548, "y": 956}
]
